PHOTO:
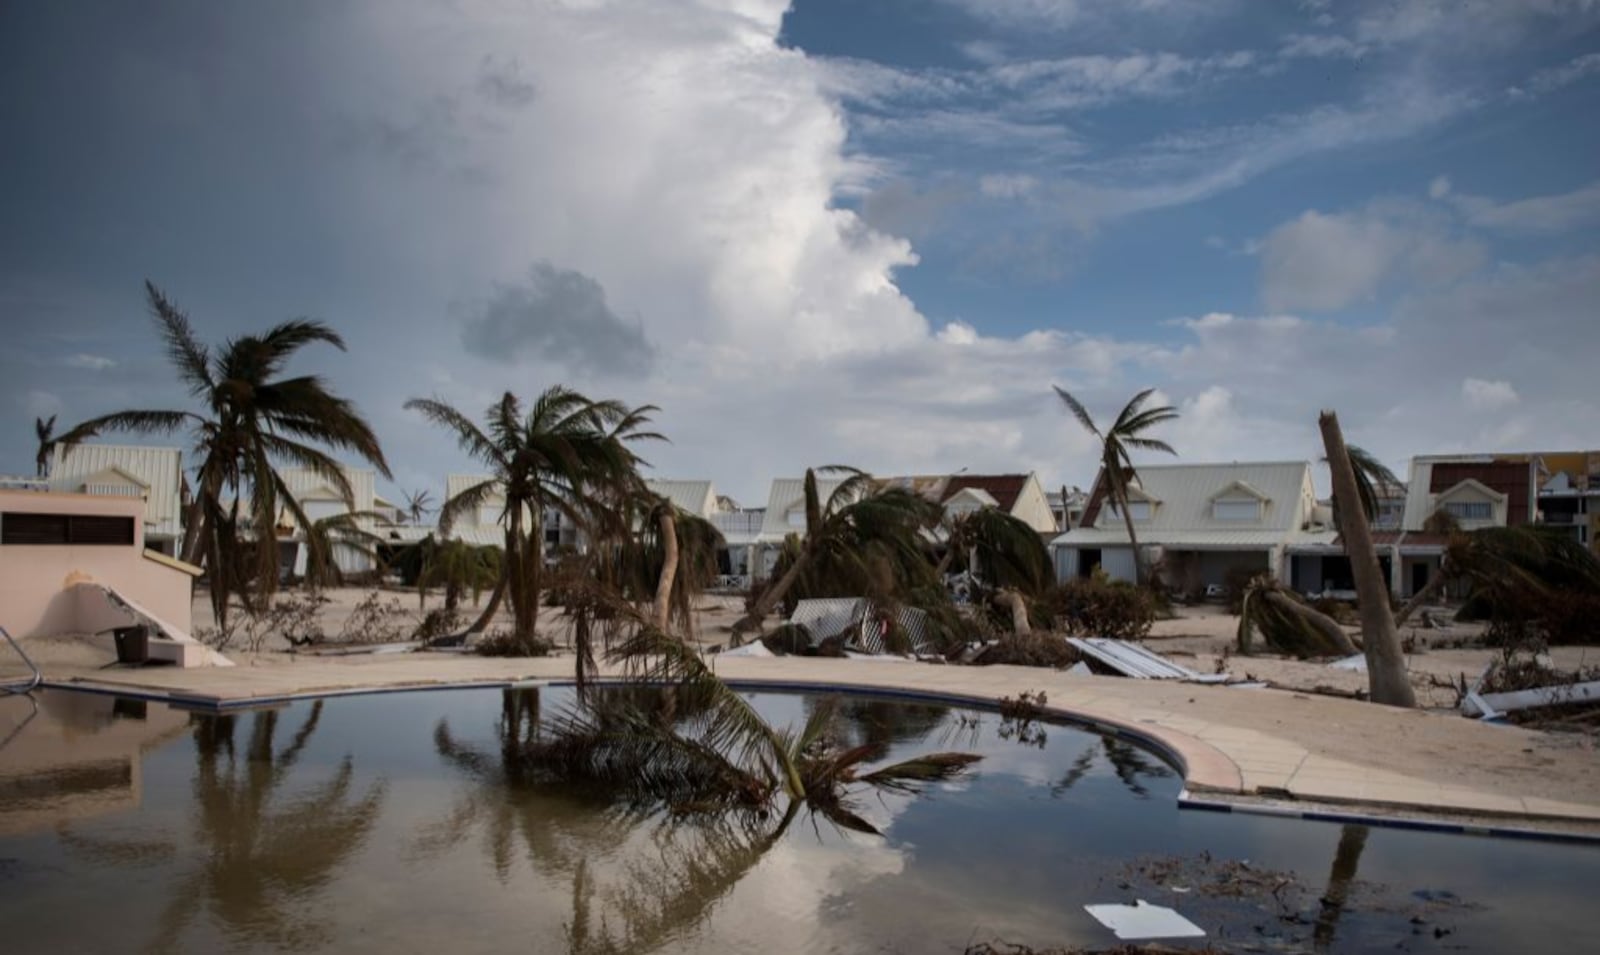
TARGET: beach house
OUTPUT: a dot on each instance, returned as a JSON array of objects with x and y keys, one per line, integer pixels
[{"x": 1198, "y": 523}]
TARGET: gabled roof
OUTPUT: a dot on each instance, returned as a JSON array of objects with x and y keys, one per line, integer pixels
[
  {"x": 115, "y": 475},
  {"x": 977, "y": 495},
  {"x": 1236, "y": 488},
  {"x": 785, "y": 495},
  {"x": 1470, "y": 484},
  {"x": 1185, "y": 493},
  {"x": 1004, "y": 488},
  {"x": 158, "y": 470},
  {"x": 695, "y": 497}
]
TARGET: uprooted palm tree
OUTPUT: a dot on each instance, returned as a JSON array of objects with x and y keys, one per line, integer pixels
[
  {"x": 709, "y": 750},
  {"x": 44, "y": 433},
  {"x": 1527, "y": 581},
  {"x": 567, "y": 455},
  {"x": 1287, "y": 623},
  {"x": 864, "y": 540},
  {"x": 248, "y": 419},
  {"x": 1004, "y": 555},
  {"x": 1117, "y": 473}
]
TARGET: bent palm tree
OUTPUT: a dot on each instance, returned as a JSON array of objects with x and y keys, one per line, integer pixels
[
  {"x": 1116, "y": 465},
  {"x": 43, "y": 432},
  {"x": 563, "y": 455},
  {"x": 248, "y": 418},
  {"x": 861, "y": 541}
]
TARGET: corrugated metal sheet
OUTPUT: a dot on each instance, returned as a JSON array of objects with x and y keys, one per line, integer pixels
[
  {"x": 860, "y": 623},
  {"x": 1135, "y": 661},
  {"x": 696, "y": 497},
  {"x": 1182, "y": 514},
  {"x": 158, "y": 469}
]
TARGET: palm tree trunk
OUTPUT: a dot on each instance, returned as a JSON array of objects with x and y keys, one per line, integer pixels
[
  {"x": 495, "y": 597},
  {"x": 1346, "y": 862},
  {"x": 532, "y": 571},
  {"x": 1386, "y": 664},
  {"x": 1133, "y": 539},
  {"x": 669, "y": 567},
  {"x": 769, "y": 599}
]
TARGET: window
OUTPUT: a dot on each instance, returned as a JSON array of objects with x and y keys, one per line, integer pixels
[
  {"x": 1138, "y": 510},
  {"x": 1470, "y": 510},
  {"x": 1247, "y": 509},
  {"x": 84, "y": 529}
]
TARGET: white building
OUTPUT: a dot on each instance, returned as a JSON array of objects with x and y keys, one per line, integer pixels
[
  {"x": 154, "y": 475},
  {"x": 1197, "y": 523}
]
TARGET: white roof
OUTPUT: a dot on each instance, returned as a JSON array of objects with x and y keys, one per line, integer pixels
[
  {"x": 160, "y": 470},
  {"x": 696, "y": 497},
  {"x": 786, "y": 495},
  {"x": 307, "y": 485},
  {"x": 1184, "y": 494}
]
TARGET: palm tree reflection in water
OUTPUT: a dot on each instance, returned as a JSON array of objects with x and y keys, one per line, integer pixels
[
  {"x": 267, "y": 852},
  {"x": 694, "y": 859},
  {"x": 1131, "y": 764}
]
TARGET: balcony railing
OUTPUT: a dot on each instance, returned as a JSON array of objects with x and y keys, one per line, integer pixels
[{"x": 17, "y": 482}]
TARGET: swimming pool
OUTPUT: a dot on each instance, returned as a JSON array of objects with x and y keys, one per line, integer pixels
[{"x": 402, "y": 822}]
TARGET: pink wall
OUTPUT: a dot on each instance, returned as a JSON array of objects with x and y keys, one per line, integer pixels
[{"x": 35, "y": 580}]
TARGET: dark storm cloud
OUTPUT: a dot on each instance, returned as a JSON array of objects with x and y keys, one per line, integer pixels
[{"x": 559, "y": 315}]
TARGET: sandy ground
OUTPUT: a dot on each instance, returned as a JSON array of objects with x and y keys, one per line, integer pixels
[{"x": 1200, "y": 637}]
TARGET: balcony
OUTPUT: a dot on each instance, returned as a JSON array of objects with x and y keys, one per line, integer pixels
[{"x": 17, "y": 482}]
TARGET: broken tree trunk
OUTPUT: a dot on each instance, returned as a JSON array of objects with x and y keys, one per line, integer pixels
[
  {"x": 769, "y": 599},
  {"x": 1019, "y": 611},
  {"x": 1386, "y": 664}
]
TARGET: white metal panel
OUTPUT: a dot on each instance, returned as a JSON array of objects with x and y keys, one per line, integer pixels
[{"x": 696, "y": 497}]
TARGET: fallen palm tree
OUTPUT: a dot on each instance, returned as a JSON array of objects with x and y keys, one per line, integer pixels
[
  {"x": 706, "y": 749},
  {"x": 1287, "y": 624}
]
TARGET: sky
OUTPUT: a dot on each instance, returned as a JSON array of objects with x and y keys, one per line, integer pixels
[{"x": 864, "y": 232}]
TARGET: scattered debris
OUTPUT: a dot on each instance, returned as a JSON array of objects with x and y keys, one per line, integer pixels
[
  {"x": 862, "y": 626},
  {"x": 1530, "y": 691},
  {"x": 1141, "y": 920},
  {"x": 1132, "y": 660}
]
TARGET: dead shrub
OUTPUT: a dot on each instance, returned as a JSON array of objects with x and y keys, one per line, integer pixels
[
  {"x": 375, "y": 620},
  {"x": 1101, "y": 607},
  {"x": 503, "y": 643},
  {"x": 1039, "y": 649}
]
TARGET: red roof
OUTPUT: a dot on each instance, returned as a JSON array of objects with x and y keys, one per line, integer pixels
[{"x": 1004, "y": 488}]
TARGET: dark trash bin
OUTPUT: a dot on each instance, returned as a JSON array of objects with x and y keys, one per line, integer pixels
[{"x": 133, "y": 643}]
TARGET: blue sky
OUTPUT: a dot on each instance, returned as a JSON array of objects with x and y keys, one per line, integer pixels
[{"x": 873, "y": 232}]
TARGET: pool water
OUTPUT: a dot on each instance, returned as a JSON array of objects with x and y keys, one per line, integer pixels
[{"x": 403, "y": 822}]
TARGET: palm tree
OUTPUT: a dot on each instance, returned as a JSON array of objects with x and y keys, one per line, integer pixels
[
  {"x": 863, "y": 541},
  {"x": 418, "y": 504},
  {"x": 459, "y": 568},
  {"x": 248, "y": 419},
  {"x": 566, "y": 454},
  {"x": 43, "y": 429},
  {"x": 1374, "y": 481},
  {"x": 1116, "y": 466}
]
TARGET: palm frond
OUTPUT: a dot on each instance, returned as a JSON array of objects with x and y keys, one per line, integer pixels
[
  {"x": 909, "y": 774},
  {"x": 471, "y": 439},
  {"x": 191, "y": 358},
  {"x": 1078, "y": 410}
]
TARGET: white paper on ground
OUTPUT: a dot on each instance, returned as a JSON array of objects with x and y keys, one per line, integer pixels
[
  {"x": 1358, "y": 662},
  {"x": 1142, "y": 920},
  {"x": 756, "y": 649}
]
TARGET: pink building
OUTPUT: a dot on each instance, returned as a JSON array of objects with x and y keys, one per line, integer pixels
[{"x": 77, "y": 564}]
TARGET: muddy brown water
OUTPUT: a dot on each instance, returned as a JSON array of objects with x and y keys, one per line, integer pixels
[{"x": 403, "y": 822}]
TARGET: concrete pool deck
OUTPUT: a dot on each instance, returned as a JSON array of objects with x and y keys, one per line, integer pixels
[{"x": 1248, "y": 745}]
